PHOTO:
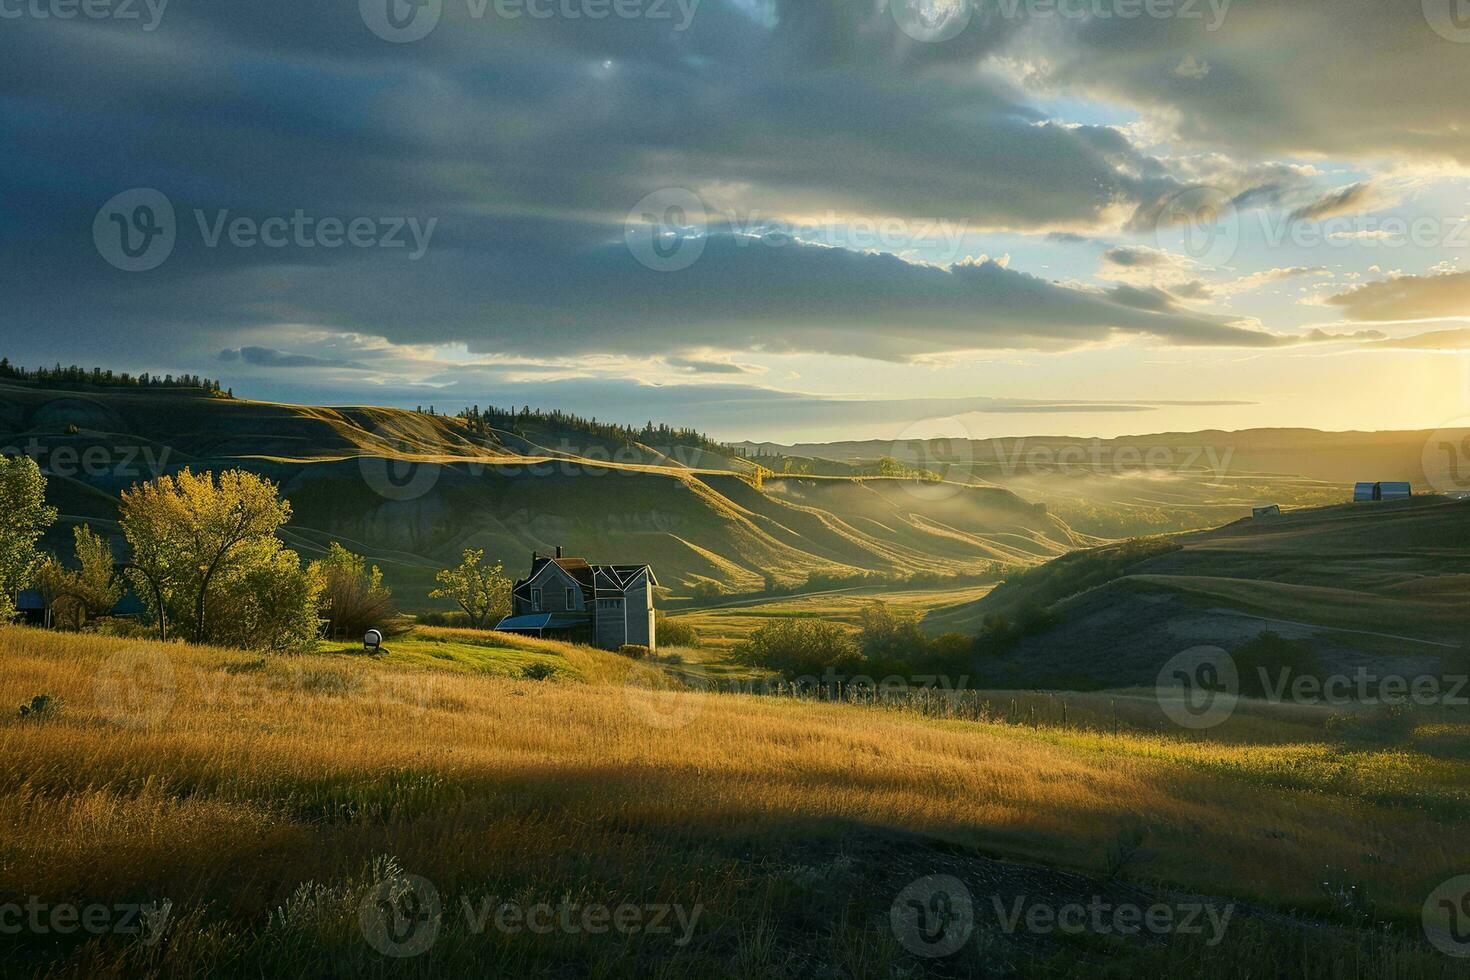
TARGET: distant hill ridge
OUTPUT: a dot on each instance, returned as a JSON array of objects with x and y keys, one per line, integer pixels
[{"x": 410, "y": 490}]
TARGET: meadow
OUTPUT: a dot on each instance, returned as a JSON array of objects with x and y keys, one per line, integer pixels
[{"x": 264, "y": 802}]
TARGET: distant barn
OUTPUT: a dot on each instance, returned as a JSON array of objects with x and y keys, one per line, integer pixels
[
  {"x": 1270, "y": 510},
  {"x": 1381, "y": 491}
]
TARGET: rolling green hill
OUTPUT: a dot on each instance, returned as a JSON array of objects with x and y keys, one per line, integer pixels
[
  {"x": 411, "y": 490},
  {"x": 1357, "y": 584}
]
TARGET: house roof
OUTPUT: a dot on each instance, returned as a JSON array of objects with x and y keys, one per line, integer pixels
[{"x": 593, "y": 579}]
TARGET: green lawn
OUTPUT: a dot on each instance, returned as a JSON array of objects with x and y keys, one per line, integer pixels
[{"x": 426, "y": 647}]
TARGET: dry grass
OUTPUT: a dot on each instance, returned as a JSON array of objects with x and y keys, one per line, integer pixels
[{"x": 261, "y": 776}]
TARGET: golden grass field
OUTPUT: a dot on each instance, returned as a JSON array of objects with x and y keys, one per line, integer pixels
[
  {"x": 726, "y": 624},
  {"x": 264, "y": 798}
]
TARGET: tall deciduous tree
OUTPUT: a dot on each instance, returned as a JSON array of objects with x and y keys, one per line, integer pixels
[
  {"x": 24, "y": 517},
  {"x": 482, "y": 591},
  {"x": 206, "y": 547}
]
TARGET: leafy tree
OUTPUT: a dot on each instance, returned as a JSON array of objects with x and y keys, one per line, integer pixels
[
  {"x": 482, "y": 591},
  {"x": 888, "y": 637},
  {"x": 801, "y": 647},
  {"x": 354, "y": 597},
  {"x": 24, "y": 517},
  {"x": 267, "y": 600},
  {"x": 197, "y": 539},
  {"x": 74, "y": 596}
]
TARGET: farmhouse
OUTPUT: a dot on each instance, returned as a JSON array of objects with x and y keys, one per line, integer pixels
[{"x": 567, "y": 598}]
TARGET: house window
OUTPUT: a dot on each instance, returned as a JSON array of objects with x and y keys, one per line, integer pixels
[
  {"x": 535, "y": 600},
  {"x": 571, "y": 602}
]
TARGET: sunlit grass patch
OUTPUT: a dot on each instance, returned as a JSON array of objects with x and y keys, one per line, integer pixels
[{"x": 245, "y": 797}]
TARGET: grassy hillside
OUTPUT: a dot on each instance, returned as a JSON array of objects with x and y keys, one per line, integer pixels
[
  {"x": 266, "y": 802},
  {"x": 1170, "y": 481},
  {"x": 410, "y": 491},
  {"x": 1359, "y": 584}
]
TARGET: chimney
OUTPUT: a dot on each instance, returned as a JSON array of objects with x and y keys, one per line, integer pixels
[{"x": 558, "y": 551}]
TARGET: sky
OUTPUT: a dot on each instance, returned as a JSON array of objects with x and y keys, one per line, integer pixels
[{"x": 775, "y": 220}]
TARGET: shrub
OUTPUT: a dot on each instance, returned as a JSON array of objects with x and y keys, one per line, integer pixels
[
  {"x": 706, "y": 590},
  {"x": 1261, "y": 661},
  {"x": 800, "y": 646},
  {"x": 42, "y": 707},
  {"x": 674, "y": 632},
  {"x": 354, "y": 598},
  {"x": 538, "y": 671},
  {"x": 634, "y": 651},
  {"x": 999, "y": 633},
  {"x": 74, "y": 596}
]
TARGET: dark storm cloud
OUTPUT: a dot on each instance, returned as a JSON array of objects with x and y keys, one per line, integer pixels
[
  {"x": 271, "y": 109},
  {"x": 1357, "y": 78}
]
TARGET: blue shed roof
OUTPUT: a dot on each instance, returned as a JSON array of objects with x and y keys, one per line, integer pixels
[{"x": 540, "y": 621}]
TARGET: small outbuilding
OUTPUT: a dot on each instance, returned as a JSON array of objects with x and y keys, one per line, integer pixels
[
  {"x": 30, "y": 607},
  {"x": 1270, "y": 510},
  {"x": 1381, "y": 491}
]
